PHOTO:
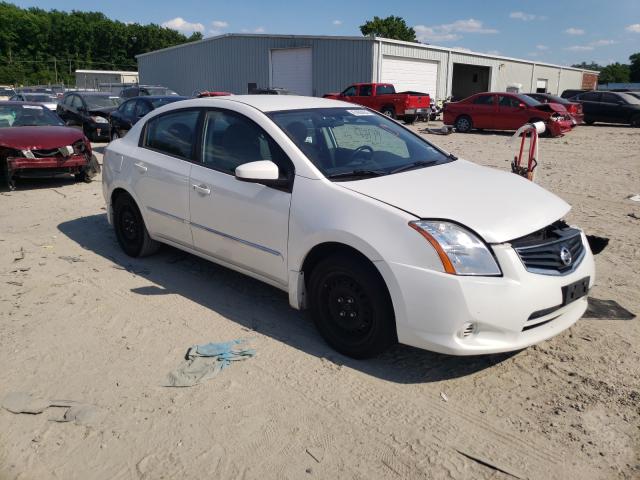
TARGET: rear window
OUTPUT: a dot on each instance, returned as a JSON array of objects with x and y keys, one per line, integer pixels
[
  {"x": 385, "y": 90},
  {"x": 173, "y": 133}
]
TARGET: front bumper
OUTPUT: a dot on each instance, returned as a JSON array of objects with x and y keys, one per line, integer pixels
[
  {"x": 99, "y": 130},
  {"x": 559, "y": 127},
  {"x": 433, "y": 309},
  {"x": 48, "y": 166}
]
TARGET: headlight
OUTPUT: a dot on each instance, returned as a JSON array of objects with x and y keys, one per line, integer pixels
[
  {"x": 97, "y": 119},
  {"x": 461, "y": 252}
]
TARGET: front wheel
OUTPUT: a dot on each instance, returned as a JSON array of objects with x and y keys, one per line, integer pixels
[
  {"x": 131, "y": 231},
  {"x": 635, "y": 121},
  {"x": 351, "y": 307}
]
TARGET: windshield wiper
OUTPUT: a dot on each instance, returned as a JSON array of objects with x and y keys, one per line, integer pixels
[
  {"x": 357, "y": 174},
  {"x": 411, "y": 166}
]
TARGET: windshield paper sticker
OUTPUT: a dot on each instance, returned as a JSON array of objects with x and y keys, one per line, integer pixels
[{"x": 361, "y": 113}]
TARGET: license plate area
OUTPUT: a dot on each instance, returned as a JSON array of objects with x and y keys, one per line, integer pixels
[{"x": 575, "y": 290}]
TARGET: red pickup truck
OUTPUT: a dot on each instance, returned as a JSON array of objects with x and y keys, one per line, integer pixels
[{"x": 383, "y": 98}]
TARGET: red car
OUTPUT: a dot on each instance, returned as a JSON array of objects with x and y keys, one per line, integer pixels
[
  {"x": 574, "y": 108},
  {"x": 34, "y": 142},
  {"x": 505, "y": 111},
  {"x": 383, "y": 98}
]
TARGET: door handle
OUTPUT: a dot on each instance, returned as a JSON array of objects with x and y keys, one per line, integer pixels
[
  {"x": 203, "y": 189},
  {"x": 140, "y": 166}
]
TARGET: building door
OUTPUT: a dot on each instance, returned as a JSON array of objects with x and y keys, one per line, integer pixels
[
  {"x": 541, "y": 85},
  {"x": 410, "y": 74},
  {"x": 291, "y": 68},
  {"x": 468, "y": 80}
]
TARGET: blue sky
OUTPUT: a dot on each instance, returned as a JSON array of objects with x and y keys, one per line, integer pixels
[{"x": 554, "y": 31}]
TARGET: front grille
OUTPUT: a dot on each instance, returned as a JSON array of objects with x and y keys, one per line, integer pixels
[
  {"x": 47, "y": 153},
  {"x": 554, "y": 250}
]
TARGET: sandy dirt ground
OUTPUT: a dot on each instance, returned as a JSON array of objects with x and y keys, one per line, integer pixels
[{"x": 80, "y": 320}]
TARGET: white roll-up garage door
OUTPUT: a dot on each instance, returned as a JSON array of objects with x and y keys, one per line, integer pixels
[
  {"x": 410, "y": 74},
  {"x": 291, "y": 68}
]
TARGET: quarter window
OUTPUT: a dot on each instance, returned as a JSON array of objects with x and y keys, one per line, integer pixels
[
  {"x": 173, "y": 133},
  {"x": 230, "y": 139},
  {"x": 510, "y": 102}
]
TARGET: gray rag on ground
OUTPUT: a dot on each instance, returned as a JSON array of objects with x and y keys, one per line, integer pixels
[
  {"x": 204, "y": 362},
  {"x": 76, "y": 412}
]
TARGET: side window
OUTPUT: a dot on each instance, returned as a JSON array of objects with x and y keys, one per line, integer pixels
[
  {"x": 173, "y": 133},
  {"x": 76, "y": 102},
  {"x": 506, "y": 101},
  {"x": 127, "y": 108},
  {"x": 384, "y": 89},
  {"x": 230, "y": 139},
  {"x": 610, "y": 98},
  {"x": 365, "y": 90},
  {"x": 349, "y": 92},
  {"x": 142, "y": 108},
  {"x": 590, "y": 96},
  {"x": 484, "y": 100}
]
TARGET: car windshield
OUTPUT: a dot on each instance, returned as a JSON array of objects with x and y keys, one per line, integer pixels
[
  {"x": 40, "y": 98},
  {"x": 532, "y": 102},
  {"x": 158, "y": 102},
  {"x": 6, "y": 92},
  {"x": 101, "y": 101},
  {"x": 632, "y": 99},
  {"x": 353, "y": 143},
  {"x": 159, "y": 91},
  {"x": 27, "y": 116}
]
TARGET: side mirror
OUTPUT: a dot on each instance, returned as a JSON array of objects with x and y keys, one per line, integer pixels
[
  {"x": 263, "y": 171},
  {"x": 522, "y": 105}
]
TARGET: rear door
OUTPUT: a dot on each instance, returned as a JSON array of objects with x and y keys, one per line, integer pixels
[
  {"x": 243, "y": 224},
  {"x": 591, "y": 106},
  {"x": 160, "y": 171},
  {"x": 612, "y": 107}
]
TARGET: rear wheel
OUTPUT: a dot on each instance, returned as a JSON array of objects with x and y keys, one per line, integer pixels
[
  {"x": 635, "y": 121},
  {"x": 131, "y": 231},
  {"x": 410, "y": 119},
  {"x": 589, "y": 121},
  {"x": 463, "y": 124},
  {"x": 351, "y": 307},
  {"x": 388, "y": 112}
]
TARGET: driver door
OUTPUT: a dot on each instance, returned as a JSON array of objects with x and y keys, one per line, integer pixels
[{"x": 243, "y": 224}]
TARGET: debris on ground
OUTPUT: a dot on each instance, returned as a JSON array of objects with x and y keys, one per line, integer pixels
[
  {"x": 204, "y": 362},
  {"x": 76, "y": 412},
  {"x": 607, "y": 310},
  {"x": 444, "y": 396},
  {"x": 634, "y": 198},
  {"x": 19, "y": 255}
]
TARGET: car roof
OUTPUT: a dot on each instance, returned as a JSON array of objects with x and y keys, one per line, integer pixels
[
  {"x": 19, "y": 104},
  {"x": 272, "y": 103},
  {"x": 92, "y": 94}
]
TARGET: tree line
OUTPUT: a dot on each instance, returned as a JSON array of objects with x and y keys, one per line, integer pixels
[
  {"x": 616, "y": 72},
  {"x": 44, "y": 47}
]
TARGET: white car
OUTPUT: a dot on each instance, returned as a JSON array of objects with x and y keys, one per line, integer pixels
[{"x": 382, "y": 235}]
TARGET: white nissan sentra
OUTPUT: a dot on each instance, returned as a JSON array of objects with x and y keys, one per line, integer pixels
[{"x": 382, "y": 235}]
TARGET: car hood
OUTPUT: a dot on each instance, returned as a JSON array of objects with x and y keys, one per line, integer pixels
[
  {"x": 551, "y": 107},
  {"x": 103, "y": 112},
  {"x": 35, "y": 138},
  {"x": 499, "y": 206}
]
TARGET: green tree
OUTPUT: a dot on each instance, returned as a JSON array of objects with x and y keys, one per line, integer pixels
[
  {"x": 634, "y": 68},
  {"x": 615, "y": 73},
  {"x": 588, "y": 66},
  {"x": 390, "y": 27},
  {"x": 38, "y": 46}
]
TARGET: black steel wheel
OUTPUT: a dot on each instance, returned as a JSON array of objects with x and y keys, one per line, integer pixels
[
  {"x": 351, "y": 307},
  {"x": 131, "y": 231}
]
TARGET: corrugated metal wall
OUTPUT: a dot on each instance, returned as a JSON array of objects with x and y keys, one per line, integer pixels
[{"x": 229, "y": 63}]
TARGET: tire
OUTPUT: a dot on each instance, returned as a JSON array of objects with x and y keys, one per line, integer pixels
[
  {"x": 388, "y": 112},
  {"x": 90, "y": 171},
  {"x": 351, "y": 307},
  {"x": 130, "y": 229},
  {"x": 635, "y": 121},
  {"x": 410, "y": 119},
  {"x": 588, "y": 121},
  {"x": 463, "y": 124}
]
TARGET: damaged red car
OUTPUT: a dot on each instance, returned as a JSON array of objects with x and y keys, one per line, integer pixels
[
  {"x": 506, "y": 111},
  {"x": 34, "y": 142}
]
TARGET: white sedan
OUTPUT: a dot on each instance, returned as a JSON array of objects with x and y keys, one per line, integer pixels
[{"x": 383, "y": 236}]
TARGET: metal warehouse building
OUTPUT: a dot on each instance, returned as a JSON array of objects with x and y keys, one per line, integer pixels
[{"x": 315, "y": 65}]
